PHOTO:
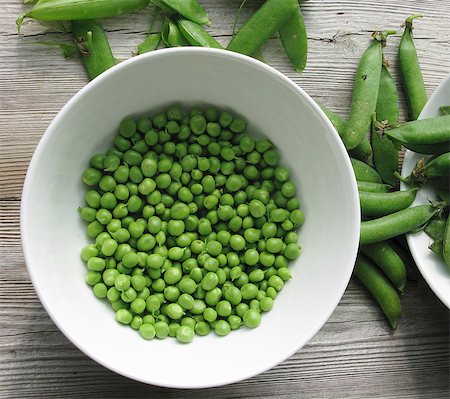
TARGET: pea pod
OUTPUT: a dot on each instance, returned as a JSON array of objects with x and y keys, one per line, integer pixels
[
  {"x": 69, "y": 10},
  {"x": 426, "y": 136},
  {"x": 387, "y": 109},
  {"x": 171, "y": 35},
  {"x": 373, "y": 187},
  {"x": 189, "y": 9},
  {"x": 93, "y": 46},
  {"x": 363, "y": 151},
  {"x": 385, "y": 155},
  {"x": 380, "y": 288},
  {"x": 395, "y": 224},
  {"x": 364, "y": 172},
  {"x": 262, "y": 25},
  {"x": 445, "y": 110},
  {"x": 380, "y": 204},
  {"x": 365, "y": 91},
  {"x": 434, "y": 167},
  {"x": 389, "y": 261},
  {"x": 295, "y": 41},
  {"x": 410, "y": 71},
  {"x": 196, "y": 35},
  {"x": 446, "y": 242},
  {"x": 150, "y": 43},
  {"x": 443, "y": 194},
  {"x": 436, "y": 229}
]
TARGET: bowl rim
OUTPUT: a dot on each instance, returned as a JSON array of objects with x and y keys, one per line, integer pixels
[
  {"x": 50, "y": 132},
  {"x": 428, "y": 274}
]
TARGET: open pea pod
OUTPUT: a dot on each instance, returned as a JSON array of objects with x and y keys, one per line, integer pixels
[
  {"x": 171, "y": 35},
  {"x": 196, "y": 35},
  {"x": 189, "y": 9}
]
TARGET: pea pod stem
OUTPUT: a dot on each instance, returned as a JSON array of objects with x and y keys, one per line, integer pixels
[
  {"x": 380, "y": 288},
  {"x": 295, "y": 40},
  {"x": 69, "y": 10},
  {"x": 365, "y": 91},
  {"x": 397, "y": 223},
  {"x": 410, "y": 71},
  {"x": 261, "y": 26},
  {"x": 387, "y": 259},
  {"x": 93, "y": 46},
  {"x": 380, "y": 204}
]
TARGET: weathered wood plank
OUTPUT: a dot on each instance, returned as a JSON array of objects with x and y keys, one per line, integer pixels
[{"x": 355, "y": 355}]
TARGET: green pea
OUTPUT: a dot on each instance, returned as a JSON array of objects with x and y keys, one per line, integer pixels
[{"x": 252, "y": 318}]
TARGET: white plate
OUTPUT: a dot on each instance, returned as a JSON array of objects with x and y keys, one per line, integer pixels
[{"x": 431, "y": 266}]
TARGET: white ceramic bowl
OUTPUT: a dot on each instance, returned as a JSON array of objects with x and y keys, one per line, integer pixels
[
  {"x": 431, "y": 266},
  {"x": 53, "y": 234}
]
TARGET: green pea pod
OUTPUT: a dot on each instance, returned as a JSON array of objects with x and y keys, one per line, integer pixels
[
  {"x": 436, "y": 229},
  {"x": 380, "y": 204},
  {"x": 429, "y": 136},
  {"x": 437, "y": 246},
  {"x": 443, "y": 194},
  {"x": 373, "y": 187},
  {"x": 387, "y": 109},
  {"x": 380, "y": 288},
  {"x": 389, "y": 261},
  {"x": 196, "y": 35},
  {"x": 365, "y": 91},
  {"x": 446, "y": 242},
  {"x": 363, "y": 151},
  {"x": 189, "y": 9},
  {"x": 445, "y": 110},
  {"x": 439, "y": 183},
  {"x": 163, "y": 7},
  {"x": 395, "y": 224},
  {"x": 410, "y": 71},
  {"x": 93, "y": 46},
  {"x": 438, "y": 166},
  {"x": 150, "y": 43},
  {"x": 68, "y": 10},
  {"x": 262, "y": 25},
  {"x": 295, "y": 40},
  {"x": 171, "y": 35},
  {"x": 364, "y": 172},
  {"x": 385, "y": 155}
]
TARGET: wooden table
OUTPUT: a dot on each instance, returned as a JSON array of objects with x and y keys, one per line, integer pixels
[{"x": 355, "y": 355}]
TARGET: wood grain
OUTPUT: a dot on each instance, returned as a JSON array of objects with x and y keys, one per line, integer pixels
[{"x": 355, "y": 355}]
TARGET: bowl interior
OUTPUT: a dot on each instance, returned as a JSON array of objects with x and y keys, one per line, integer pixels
[
  {"x": 274, "y": 106},
  {"x": 431, "y": 266}
]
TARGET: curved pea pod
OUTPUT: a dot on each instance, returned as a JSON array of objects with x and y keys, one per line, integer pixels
[
  {"x": 389, "y": 261},
  {"x": 395, "y": 224},
  {"x": 380, "y": 204},
  {"x": 370, "y": 187},
  {"x": 445, "y": 110},
  {"x": 387, "y": 109},
  {"x": 171, "y": 35},
  {"x": 69, "y": 10},
  {"x": 446, "y": 242},
  {"x": 426, "y": 136},
  {"x": 436, "y": 229},
  {"x": 189, "y": 9},
  {"x": 365, "y": 92},
  {"x": 364, "y": 172},
  {"x": 295, "y": 40},
  {"x": 93, "y": 46},
  {"x": 363, "y": 151},
  {"x": 380, "y": 288},
  {"x": 262, "y": 25},
  {"x": 150, "y": 43},
  {"x": 196, "y": 35},
  {"x": 437, "y": 246},
  {"x": 410, "y": 71}
]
